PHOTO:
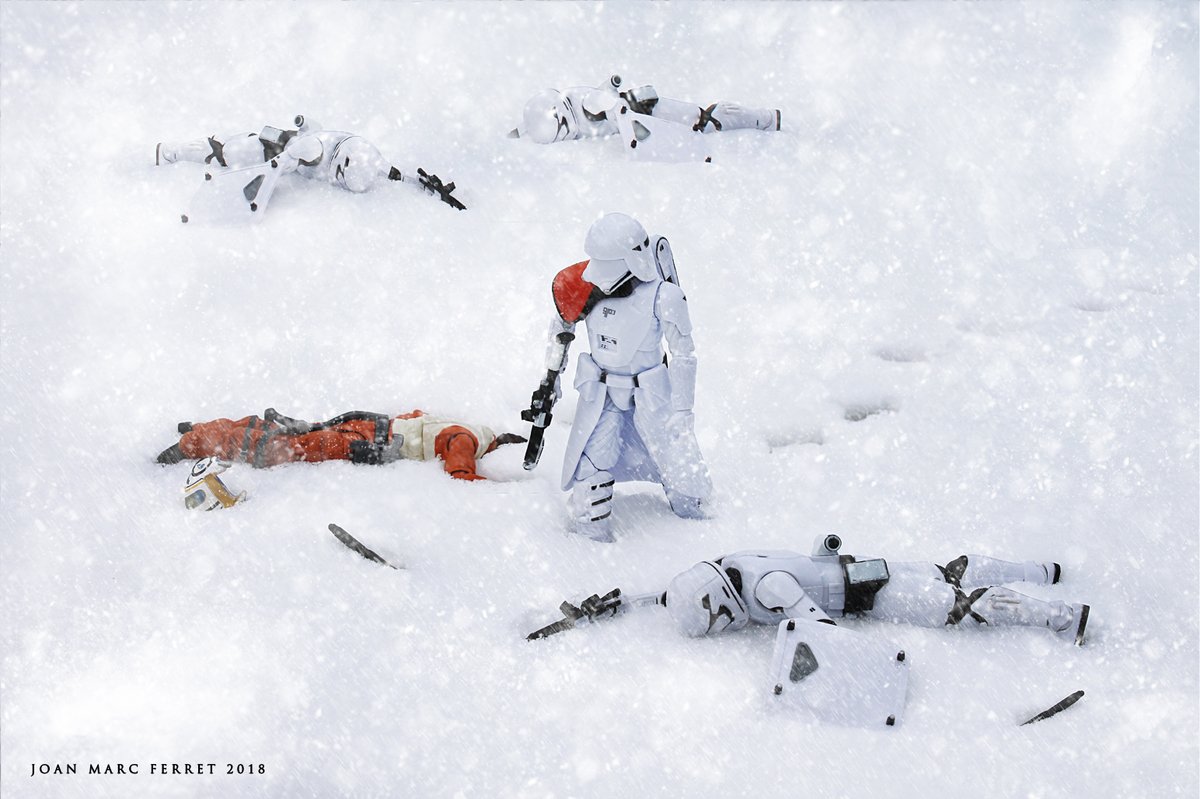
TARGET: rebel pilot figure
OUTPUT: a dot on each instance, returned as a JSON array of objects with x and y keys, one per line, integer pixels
[{"x": 634, "y": 417}]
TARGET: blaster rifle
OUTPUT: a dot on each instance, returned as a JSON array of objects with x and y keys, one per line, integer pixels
[
  {"x": 594, "y": 608},
  {"x": 542, "y": 402},
  {"x": 430, "y": 183}
]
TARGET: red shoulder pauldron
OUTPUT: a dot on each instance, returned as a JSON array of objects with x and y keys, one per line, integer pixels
[{"x": 573, "y": 294}]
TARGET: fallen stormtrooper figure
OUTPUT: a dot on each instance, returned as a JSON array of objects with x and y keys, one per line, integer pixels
[{"x": 831, "y": 671}]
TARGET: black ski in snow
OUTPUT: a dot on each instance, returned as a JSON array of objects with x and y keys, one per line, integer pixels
[
  {"x": 1056, "y": 708},
  {"x": 356, "y": 545}
]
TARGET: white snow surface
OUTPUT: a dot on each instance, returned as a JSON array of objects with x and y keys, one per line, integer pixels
[{"x": 951, "y": 307}]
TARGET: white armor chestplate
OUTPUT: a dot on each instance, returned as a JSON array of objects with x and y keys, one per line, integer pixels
[
  {"x": 624, "y": 333},
  {"x": 421, "y": 432},
  {"x": 820, "y": 577}
]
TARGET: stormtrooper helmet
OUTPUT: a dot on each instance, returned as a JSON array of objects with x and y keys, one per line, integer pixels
[
  {"x": 619, "y": 249},
  {"x": 357, "y": 164},
  {"x": 548, "y": 118},
  {"x": 204, "y": 489},
  {"x": 703, "y": 601}
]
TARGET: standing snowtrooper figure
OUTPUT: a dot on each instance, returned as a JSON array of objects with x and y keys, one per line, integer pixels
[
  {"x": 583, "y": 112},
  {"x": 634, "y": 417}
]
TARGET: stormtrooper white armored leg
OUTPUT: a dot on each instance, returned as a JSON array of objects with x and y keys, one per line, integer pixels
[
  {"x": 980, "y": 570},
  {"x": 236, "y": 150},
  {"x": 592, "y": 492},
  {"x": 721, "y": 115},
  {"x": 998, "y": 606},
  {"x": 671, "y": 442},
  {"x": 918, "y": 593},
  {"x": 591, "y": 506}
]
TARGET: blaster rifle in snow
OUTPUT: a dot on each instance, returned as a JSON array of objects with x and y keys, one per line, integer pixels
[
  {"x": 593, "y": 609},
  {"x": 432, "y": 184},
  {"x": 542, "y": 402}
]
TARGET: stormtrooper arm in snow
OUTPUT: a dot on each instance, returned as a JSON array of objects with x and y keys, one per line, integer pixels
[
  {"x": 677, "y": 328},
  {"x": 779, "y": 592},
  {"x": 549, "y": 391}
]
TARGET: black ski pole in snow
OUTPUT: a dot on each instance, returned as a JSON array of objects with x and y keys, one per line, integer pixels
[
  {"x": 1056, "y": 708},
  {"x": 357, "y": 546}
]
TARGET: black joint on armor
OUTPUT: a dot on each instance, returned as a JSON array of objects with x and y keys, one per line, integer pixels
[
  {"x": 778, "y": 689},
  {"x": 891, "y": 721},
  {"x": 900, "y": 656},
  {"x": 953, "y": 571},
  {"x": 791, "y": 625}
]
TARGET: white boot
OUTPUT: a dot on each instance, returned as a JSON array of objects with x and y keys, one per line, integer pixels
[
  {"x": 169, "y": 153},
  {"x": 686, "y": 507},
  {"x": 591, "y": 507},
  {"x": 1075, "y": 629},
  {"x": 1002, "y": 607}
]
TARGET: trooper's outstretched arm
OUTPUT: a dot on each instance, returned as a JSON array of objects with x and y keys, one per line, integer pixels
[
  {"x": 595, "y": 608},
  {"x": 780, "y": 592},
  {"x": 549, "y": 391}
]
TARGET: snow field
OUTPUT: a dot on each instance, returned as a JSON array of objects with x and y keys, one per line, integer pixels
[{"x": 951, "y": 307}]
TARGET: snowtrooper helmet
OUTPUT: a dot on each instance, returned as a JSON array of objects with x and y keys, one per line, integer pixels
[
  {"x": 548, "y": 118},
  {"x": 702, "y": 601},
  {"x": 357, "y": 165},
  {"x": 205, "y": 491},
  {"x": 619, "y": 248}
]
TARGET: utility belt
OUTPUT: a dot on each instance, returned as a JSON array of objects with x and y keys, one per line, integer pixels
[
  {"x": 618, "y": 381},
  {"x": 587, "y": 370},
  {"x": 274, "y": 140},
  {"x": 653, "y": 382},
  {"x": 863, "y": 579},
  {"x": 275, "y": 424}
]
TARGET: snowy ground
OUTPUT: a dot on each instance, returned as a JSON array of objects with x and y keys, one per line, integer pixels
[{"x": 951, "y": 308}]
